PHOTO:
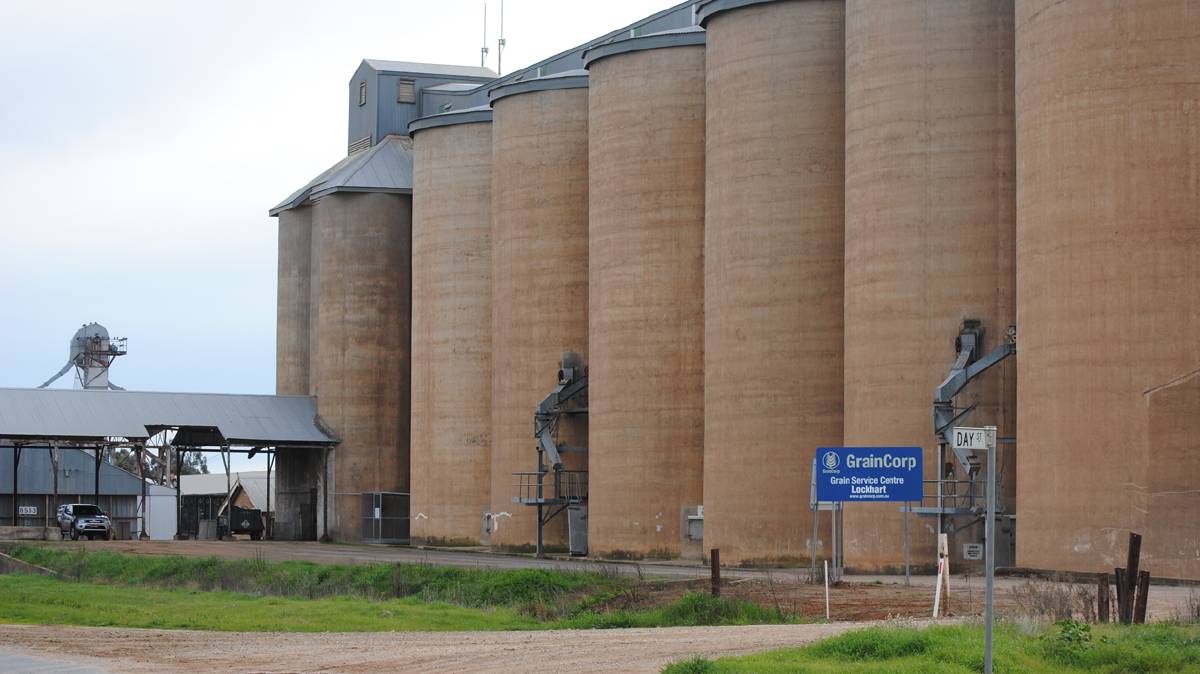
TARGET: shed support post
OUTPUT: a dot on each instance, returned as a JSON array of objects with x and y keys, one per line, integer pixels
[
  {"x": 99, "y": 458},
  {"x": 267, "y": 515},
  {"x": 16, "y": 468},
  {"x": 141, "y": 450},
  {"x": 228, "y": 495},
  {"x": 325, "y": 495},
  {"x": 178, "y": 500},
  {"x": 54, "y": 468}
]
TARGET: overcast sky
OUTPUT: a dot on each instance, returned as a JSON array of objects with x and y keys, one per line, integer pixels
[{"x": 142, "y": 142}]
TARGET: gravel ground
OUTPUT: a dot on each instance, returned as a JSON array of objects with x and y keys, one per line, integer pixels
[{"x": 631, "y": 650}]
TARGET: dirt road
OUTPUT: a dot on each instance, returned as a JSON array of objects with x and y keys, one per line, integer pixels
[{"x": 101, "y": 649}]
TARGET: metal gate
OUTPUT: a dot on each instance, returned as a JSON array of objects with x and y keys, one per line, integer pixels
[{"x": 385, "y": 517}]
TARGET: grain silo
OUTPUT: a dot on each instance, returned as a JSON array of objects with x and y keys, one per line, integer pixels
[
  {"x": 451, "y": 326},
  {"x": 291, "y": 333},
  {"x": 773, "y": 268},
  {"x": 539, "y": 274},
  {"x": 930, "y": 220},
  {"x": 1108, "y": 237},
  {"x": 646, "y": 376},
  {"x": 361, "y": 373},
  {"x": 294, "y": 468}
]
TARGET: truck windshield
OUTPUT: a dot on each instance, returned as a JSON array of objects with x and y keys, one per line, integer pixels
[{"x": 87, "y": 511}]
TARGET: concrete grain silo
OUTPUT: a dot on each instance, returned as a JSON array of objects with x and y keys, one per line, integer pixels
[
  {"x": 930, "y": 227},
  {"x": 773, "y": 268},
  {"x": 451, "y": 326},
  {"x": 646, "y": 377},
  {"x": 295, "y": 467},
  {"x": 1108, "y": 238},
  {"x": 291, "y": 333},
  {"x": 360, "y": 375},
  {"x": 539, "y": 274}
]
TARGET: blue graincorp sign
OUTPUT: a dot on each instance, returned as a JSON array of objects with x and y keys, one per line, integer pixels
[{"x": 869, "y": 474}]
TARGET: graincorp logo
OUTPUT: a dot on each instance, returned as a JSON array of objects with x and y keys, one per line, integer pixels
[{"x": 830, "y": 460}]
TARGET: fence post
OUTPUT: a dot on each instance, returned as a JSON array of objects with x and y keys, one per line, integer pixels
[
  {"x": 1102, "y": 598},
  {"x": 1143, "y": 591},
  {"x": 715, "y": 562},
  {"x": 1122, "y": 593}
]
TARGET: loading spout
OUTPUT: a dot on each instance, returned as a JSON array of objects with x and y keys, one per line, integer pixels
[{"x": 967, "y": 367}]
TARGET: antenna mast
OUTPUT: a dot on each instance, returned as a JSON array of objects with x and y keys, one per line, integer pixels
[
  {"x": 483, "y": 51},
  {"x": 500, "y": 43}
]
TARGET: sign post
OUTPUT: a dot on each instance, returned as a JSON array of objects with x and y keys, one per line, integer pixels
[{"x": 984, "y": 439}]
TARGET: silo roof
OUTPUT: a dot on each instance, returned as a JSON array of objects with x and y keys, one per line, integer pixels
[
  {"x": 436, "y": 69},
  {"x": 680, "y": 37},
  {"x": 481, "y": 113},
  {"x": 570, "y": 79},
  {"x": 706, "y": 9},
  {"x": 383, "y": 167}
]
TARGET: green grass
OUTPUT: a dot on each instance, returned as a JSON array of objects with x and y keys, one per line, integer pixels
[
  {"x": 1062, "y": 649},
  {"x": 691, "y": 609},
  {"x": 105, "y": 588},
  {"x": 464, "y": 587},
  {"x": 49, "y": 601}
]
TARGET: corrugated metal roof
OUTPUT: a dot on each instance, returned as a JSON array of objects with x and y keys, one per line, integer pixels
[
  {"x": 439, "y": 69},
  {"x": 253, "y": 482},
  {"x": 91, "y": 414},
  {"x": 384, "y": 167}
]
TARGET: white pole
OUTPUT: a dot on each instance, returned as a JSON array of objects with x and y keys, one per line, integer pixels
[
  {"x": 941, "y": 569},
  {"x": 989, "y": 533},
  {"x": 826, "y": 589}
]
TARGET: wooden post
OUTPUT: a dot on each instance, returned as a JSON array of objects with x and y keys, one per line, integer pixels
[
  {"x": 1102, "y": 598},
  {"x": 1122, "y": 592},
  {"x": 1143, "y": 590},
  {"x": 715, "y": 561},
  {"x": 1128, "y": 593}
]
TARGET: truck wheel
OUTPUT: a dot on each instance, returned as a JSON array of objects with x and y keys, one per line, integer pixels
[{"x": 256, "y": 535}]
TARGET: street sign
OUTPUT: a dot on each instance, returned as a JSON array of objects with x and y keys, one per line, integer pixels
[
  {"x": 869, "y": 474},
  {"x": 970, "y": 438}
]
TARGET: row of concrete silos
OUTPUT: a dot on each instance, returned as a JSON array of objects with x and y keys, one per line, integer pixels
[{"x": 812, "y": 203}]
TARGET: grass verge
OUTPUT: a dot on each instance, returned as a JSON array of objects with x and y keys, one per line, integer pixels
[
  {"x": 1066, "y": 648},
  {"x": 49, "y": 601},
  {"x": 105, "y": 588}
]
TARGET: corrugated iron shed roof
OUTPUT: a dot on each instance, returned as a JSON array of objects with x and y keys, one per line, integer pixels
[
  {"x": 438, "y": 69},
  {"x": 252, "y": 420},
  {"x": 384, "y": 167}
]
